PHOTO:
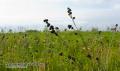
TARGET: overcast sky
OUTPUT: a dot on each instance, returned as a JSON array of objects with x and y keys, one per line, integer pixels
[{"x": 88, "y": 13}]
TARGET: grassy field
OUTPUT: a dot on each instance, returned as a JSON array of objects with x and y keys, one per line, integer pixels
[{"x": 69, "y": 51}]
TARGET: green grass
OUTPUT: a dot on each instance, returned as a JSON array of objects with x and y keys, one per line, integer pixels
[{"x": 65, "y": 52}]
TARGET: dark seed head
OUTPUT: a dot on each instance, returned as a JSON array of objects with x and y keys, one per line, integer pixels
[
  {"x": 73, "y": 17},
  {"x": 61, "y": 54},
  {"x": 101, "y": 42},
  {"x": 116, "y": 25},
  {"x": 69, "y": 26},
  {"x": 56, "y": 28},
  {"x": 69, "y": 13},
  {"x": 54, "y": 32},
  {"x": 97, "y": 58},
  {"x": 51, "y": 27},
  {"x": 69, "y": 10},
  {"x": 76, "y": 34},
  {"x": 100, "y": 32},
  {"x": 46, "y": 20},
  {"x": 72, "y": 28},
  {"x": 48, "y": 24},
  {"x": 89, "y": 56}
]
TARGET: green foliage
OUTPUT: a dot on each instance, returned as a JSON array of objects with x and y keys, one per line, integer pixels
[{"x": 65, "y": 52}]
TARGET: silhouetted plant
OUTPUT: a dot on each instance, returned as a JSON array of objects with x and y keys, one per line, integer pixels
[
  {"x": 70, "y": 15},
  {"x": 51, "y": 27},
  {"x": 116, "y": 25},
  {"x": 46, "y": 21},
  {"x": 48, "y": 24},
  {"x": 73, "y": 18},
  {"x": 69, "y": 26},
  {"x": 54, "y": 32}
]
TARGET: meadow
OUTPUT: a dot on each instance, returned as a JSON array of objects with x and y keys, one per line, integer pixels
[{"x": 67, "y": 52}]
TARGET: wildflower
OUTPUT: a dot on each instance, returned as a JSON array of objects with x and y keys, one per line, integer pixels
[
  {"x": 51, "y": 27},
  {"x": 54, "y": 32},
  {"x": 56, "y": 28},
  {"x": 72, "y": 28},
  {"x": 69, "y": 11},
  {"x": 46, "y": 20},
  {"x": 73, "y": 17},
  {"x": 48, "y": 24},
  {"x": 116, "y": 25},
  {"x": 97, "y": 59},
  {"x": 61, "y": 54},
  {"x": 70, "y": 15},
  {"x": 69, "y": 26},
  {"x": 89, "y": 56}
]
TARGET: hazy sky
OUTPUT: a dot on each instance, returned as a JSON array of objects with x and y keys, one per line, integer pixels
[{"x": 99, "y": 13}]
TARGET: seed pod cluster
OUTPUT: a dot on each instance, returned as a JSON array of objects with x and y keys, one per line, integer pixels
[
  {"x": 70, "y": 13},
  {"x": 70, "y": 27},
  {"x": 51, "y": 27}
]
